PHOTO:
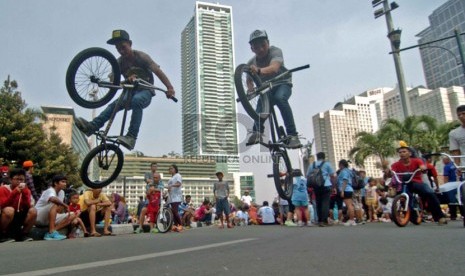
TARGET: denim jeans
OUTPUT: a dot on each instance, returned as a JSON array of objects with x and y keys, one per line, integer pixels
[
  {"x": 140, "y": 100},
  {"x": 279, "y": 96},
  {"x": 426, "y": 193}
]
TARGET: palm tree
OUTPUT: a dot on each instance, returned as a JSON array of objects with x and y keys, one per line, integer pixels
[{"x": 377, "y": 144}]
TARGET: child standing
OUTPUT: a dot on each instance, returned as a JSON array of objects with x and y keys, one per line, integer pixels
[
  {"x": 371, "y": 199},
  {"x": 300, "y": 198},
  {"x": 385, "y": 204},
  {"x": 74, "y": 206},
  {"x": 153, "y": 205}
]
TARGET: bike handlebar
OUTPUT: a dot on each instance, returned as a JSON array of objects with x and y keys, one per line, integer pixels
[
  {"x": 137, "y": 83},
  {"x": 412, "y": 174},
  {"x": 451, "y": 157}
]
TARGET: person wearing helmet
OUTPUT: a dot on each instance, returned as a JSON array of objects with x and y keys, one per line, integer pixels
[
  {"x": 267, "y": 63},
  {"x": 134, "y": 64}
]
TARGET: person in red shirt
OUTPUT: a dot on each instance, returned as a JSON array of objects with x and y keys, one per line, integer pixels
[
  {"x": 18, "y": 216},
  {"x": 408, "y": 164}
]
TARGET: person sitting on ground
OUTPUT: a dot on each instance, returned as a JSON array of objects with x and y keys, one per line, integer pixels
[
  {"x": 74, "y": 207},
  {"x": 51, "y": 209},
  {"x": 95, "y": 206},
  {"x": 204, "y": 213},
  {"x": 241, "y": 218},
  {"x": 266, "y": 214},
  {"x": 17, "y": 214},
  {"x": 186, "y": 211},
  {"x": 118, "y": 209}
]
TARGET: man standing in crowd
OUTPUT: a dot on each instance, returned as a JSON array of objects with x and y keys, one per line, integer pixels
[
  {"x": 28, "y": 166},
  {"x": 221, "y": 193}
]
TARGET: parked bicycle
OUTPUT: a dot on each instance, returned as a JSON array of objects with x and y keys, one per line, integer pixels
[
  {"x": 406, "y": 206},
  {"x": 92, "y": 80},
  {"x": 253, "y": 95},
  {"x": 165, "y": 217}
]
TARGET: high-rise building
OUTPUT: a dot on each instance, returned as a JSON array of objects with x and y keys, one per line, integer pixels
[
  {"x": 441, "y": 64},
  {"x": 335, "y": 129},
  {"x": 209, "y": 124}
]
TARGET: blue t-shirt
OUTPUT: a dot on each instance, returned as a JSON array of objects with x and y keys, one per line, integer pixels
[
  {"x": 299, "y": 192},
  {"x": 345, "y": 174},
  {"x": 450, "y": 172},
  {"x": 326, "y": 170}
]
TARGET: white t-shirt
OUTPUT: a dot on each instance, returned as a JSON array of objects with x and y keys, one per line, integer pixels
[
  {"x": 43, "y": 203},
  {"x": 457, "y": 142},
  {"x": 267, "y": 214},
  {"x": 176, "y": 192},
  {"x": 247, "y": 199}
]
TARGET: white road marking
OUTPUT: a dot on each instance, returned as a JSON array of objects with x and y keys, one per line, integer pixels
[{"x": 69, "y": 268}]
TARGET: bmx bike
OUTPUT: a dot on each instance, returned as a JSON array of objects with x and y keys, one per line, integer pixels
[
  {"x": 406, "y": 206},
  {"x": 92, "y": 80},
  {"x": 253, "y": 95}
]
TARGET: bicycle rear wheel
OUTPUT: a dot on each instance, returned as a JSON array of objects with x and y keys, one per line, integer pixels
[
  {"x": 400, "y": 212},
  {"x": 256, "y": 105},
  {"x": 164, "y": 220},
  {"x": 282, "y": 172},
  {"x": 86, "y": 69},
  {"x": 102, "y": 165}
]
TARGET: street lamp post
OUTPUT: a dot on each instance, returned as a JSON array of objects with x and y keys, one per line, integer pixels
[{"x": 394, "y": 37}]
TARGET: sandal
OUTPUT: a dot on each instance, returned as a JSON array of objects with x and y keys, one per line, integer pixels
[
  {"x": 95, "y": 234},
  {"x": 108, "y": 234}
]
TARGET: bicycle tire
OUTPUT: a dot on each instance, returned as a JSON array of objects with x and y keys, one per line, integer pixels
[
  {"x": 400, "y": 212},
  {"x": 109, "y": 168},
  {"x": 243, "y": 78},
  {"x": 282, "y": 172},
  {"x": 164, "y": 220},
  {"x": 416, "y": 216},
  {"x": 92, "y": 63}
]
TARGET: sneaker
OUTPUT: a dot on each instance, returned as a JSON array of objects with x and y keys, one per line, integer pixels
[
  {"x": 254, "y": 138},
  {"x": 7, "y": 240},
  {"x": 350, "y": 223},
  {"x": 86, "y": 127},
  {"x": 127, "y": 141},
  {"x": 293, "y": 142},
  {"x": 54, "y": 236},
  {"x": 442, "y": 221},
  {"x": 290, "y": 223},
  {"x": 154, "y": 231},
  {"x": 138, "y": 230},
  {"x": 309, "y": 224},
  {"x": 25, "y": 238}
]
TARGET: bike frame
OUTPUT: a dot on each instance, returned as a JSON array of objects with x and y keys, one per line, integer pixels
[{"x": 405, "y": 183}]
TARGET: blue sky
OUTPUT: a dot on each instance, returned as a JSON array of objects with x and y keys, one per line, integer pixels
[{"x": 345, "y": 46}]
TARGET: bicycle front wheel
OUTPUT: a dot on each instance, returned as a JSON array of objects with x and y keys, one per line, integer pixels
[
  {"x": 102, "y": 165},
  {"x": 400, "y": 212},
  {"x": 282, "y": 172},
  {"x": 87, "y": 68},
  {"x": 256, "y": 105},
  {"x": 164, "y": 220}
]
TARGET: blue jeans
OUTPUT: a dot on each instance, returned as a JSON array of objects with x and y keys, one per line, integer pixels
[
  {"x": 279, "y": 96},
  {"x": 140, "y": 100}
]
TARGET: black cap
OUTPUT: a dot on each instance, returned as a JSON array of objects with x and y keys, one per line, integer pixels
[{"x": 117, "y": 36}]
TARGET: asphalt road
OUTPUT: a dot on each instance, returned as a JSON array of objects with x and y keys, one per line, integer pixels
[{"x": 371, "y": 249}]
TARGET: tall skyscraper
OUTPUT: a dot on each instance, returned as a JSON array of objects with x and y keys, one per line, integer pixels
[
  {"x": 441, "y": 59},
  {"x": 209, "y": 125}
]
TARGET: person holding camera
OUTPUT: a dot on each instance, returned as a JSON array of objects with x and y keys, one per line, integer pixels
[{"x": 18, "y": 216}]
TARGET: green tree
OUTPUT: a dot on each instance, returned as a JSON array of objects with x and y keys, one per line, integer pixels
[
  {"x": 377, "y": 144},
  {"x": 22, "y": 138}
]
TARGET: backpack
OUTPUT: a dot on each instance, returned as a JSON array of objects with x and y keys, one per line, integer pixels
[
  {"x": 316, "y": 180},
  {"x": 357, "y": 182}
]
